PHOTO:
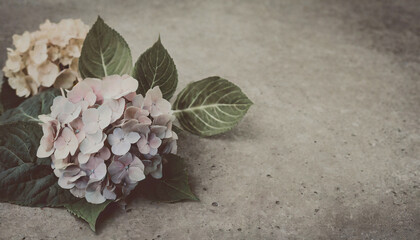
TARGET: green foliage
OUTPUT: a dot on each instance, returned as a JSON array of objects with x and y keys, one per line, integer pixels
[
  {"x": 31, "y": 108},
  {"x": 210, "y": 106},
  {"x": 87, "y": 211},
  {"x": 155, "y": 67},
  {"x": 24, "y": 178},
  {"x": 104, "y": 53},
  {"x": 8, "y": 96}
]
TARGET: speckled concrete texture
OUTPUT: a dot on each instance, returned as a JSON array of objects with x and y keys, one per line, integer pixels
[{"x": 330, "y": 150}]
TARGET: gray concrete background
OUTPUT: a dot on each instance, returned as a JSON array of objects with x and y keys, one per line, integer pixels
[{"x": 330, "y": 150}]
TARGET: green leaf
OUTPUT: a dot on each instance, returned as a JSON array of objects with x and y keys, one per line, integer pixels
[
  {"x": 104, "y": 53},
  {"x": 210, "y": 106},
  {"x": 31, "y": 108},
  {"x": 156, "y": 68},
  {"x": 87, "y": 211},
  {"x": 8, "y": 96},
  {"x": 24, "y": 178},
  {"x": 172, "y": 187}
]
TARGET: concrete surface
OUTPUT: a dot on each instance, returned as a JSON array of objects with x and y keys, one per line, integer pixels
[{"x": 330, "y": 150}]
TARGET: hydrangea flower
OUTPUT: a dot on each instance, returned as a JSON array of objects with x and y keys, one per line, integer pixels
[
  {"x": 51, "y": 129},
  {"x": 93, "y": 142},
  {"x": 155, "y": 103},
  {"x": 95, "y": 119},
  {"x": 121, "y": 141},
  {"x": 47, "y": 57},
  {"x": 103, "y": 138},
  {"x": 99, "y": 192},
  {"x": 126, "y": 168},
  {"x": 65, "y": 144},
  {"x": 153, "y": 167},
  {"x": 64, "y": 110},
  {"x": 115, "y": 86},
  {"x": 149, "y": 144},
  {"x": 95, "y": 168}
]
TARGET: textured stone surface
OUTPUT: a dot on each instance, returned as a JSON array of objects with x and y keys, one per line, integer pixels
[{"x": 330, "y": 150}]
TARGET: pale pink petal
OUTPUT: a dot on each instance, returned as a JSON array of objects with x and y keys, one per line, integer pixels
[
  {"x": 164, "y": 106},
  {"x": 155, "y": 94},
  {"x": 138, "y": 101},
  {"x": 153, "y": 151},
  {"x": 132, "y": 137},
  {"x": 129, "y": 84},
  {"x": 154, "y": 141},
  {"x": 159, "y": 131},
  {"x": 104, "y": 153},
  {"x": 90, "y": 119},
  {"x": 115, "y": 86},
  {"x": 91, "y": 127},
  {"x": 115, "y": 167},
  {"x": 100, "y": 172},
  {"x": 93, "y": 193},
  {"x": 96, "y": 85},
  {"x": 145, "y": 149},
  {"x": 142, "y": 142},
  {"x": 78, "y": 92},
  {"x": 130, "y": 97},
  {"x": 121, "y": 148},
  {"x": 64, "y": 183},
  {"x": 91, "y": 144},
  {"x": 61, "y": 153},
  {"x": 137, "y": 163},
  {"x": 113, "y": 139},
  {"x": 73, "y": 144},
  {"x": 43, "y": 153},
  {"x": 60, "y": 143},
  {"x": 136, "y": 174},
  {"x": 126, "y": 159},
  {"x": 83, "y": 158},
  {"x": 117, "y": 171},
  {"x": 108, "y": 194},
  {"x": 47, "y": 141},
  {"x": 116, "y": 106},
  {"x": 105, "y": 114},
  {"x": 90, "y": 98}
]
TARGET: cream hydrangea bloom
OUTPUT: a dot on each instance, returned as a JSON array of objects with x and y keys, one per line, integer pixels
[{"x": 45, "y": 58}]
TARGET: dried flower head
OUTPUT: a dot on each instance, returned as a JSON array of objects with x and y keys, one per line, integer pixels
[{"x": 47, "y": 57}]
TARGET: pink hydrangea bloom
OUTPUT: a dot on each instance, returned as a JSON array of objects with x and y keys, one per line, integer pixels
[
  {"x": 78, "y": 128},
  {"x": 99, "y": 192},
  {"x": 117, "y": 108},
  {"x": 65, "y": 144},
  {"x": 138, "y": 131},
  {"x": 50, "y": 129},
  {"x": 96, "y": 119},
  {"x": 115, "y": 86},
  {"x": 149, "y": 144},
  {"x": 121, "y": 141},
  {"x": 93, "y": 142},
  {"x": 82, "y": 92},
  {"x": 64, "y": 110},
  {"x": 128, "y": 168},
  {"x": 155, "y": 103}
]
